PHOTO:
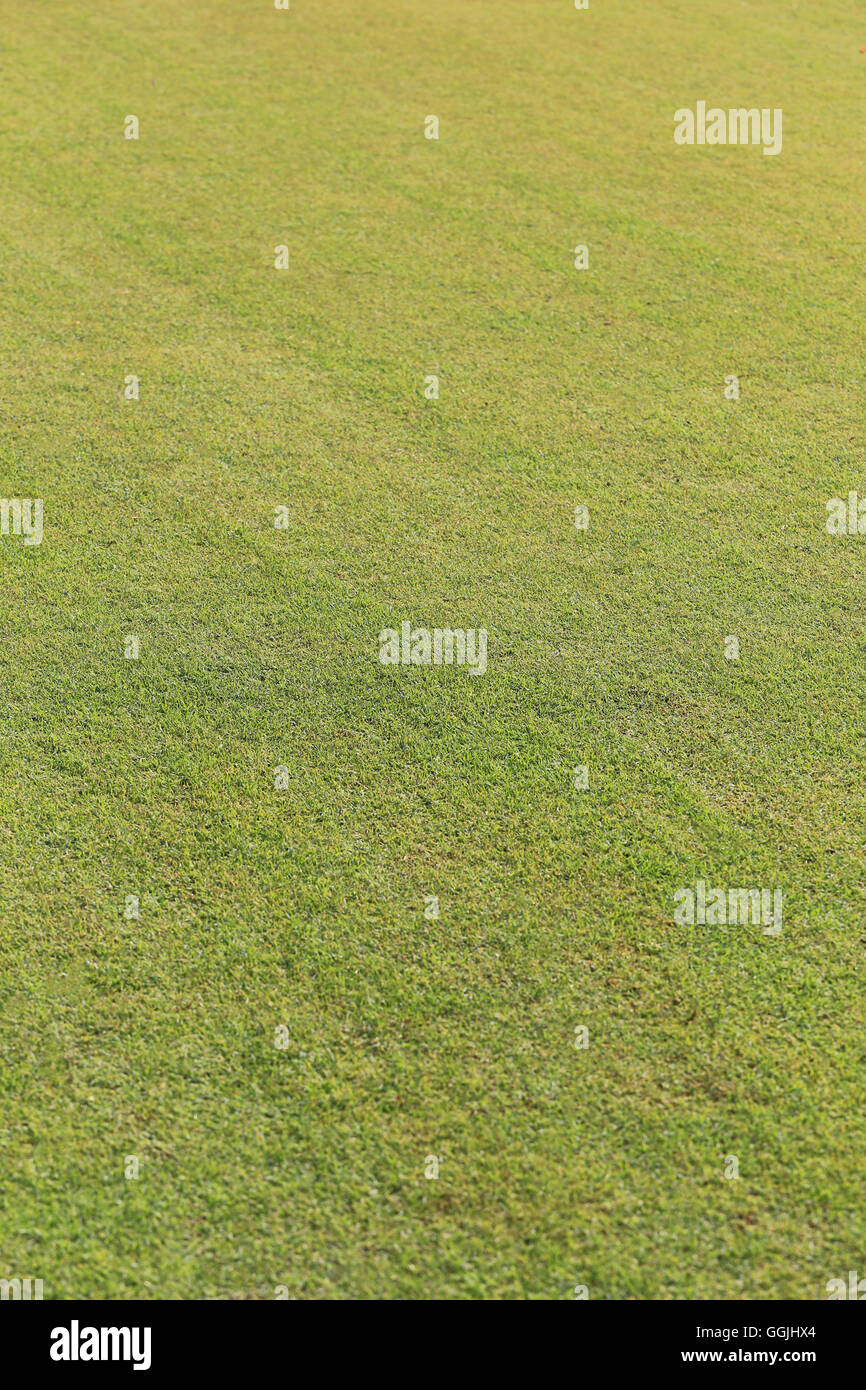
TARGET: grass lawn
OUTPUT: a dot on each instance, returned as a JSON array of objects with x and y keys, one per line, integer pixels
[{"x": 301, "y": 900}]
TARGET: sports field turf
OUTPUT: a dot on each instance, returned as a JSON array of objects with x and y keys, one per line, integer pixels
[{"x": 300, "y": 1162}]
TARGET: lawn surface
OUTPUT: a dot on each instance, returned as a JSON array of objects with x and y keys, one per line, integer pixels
[{"x": 410, "y": 1037}]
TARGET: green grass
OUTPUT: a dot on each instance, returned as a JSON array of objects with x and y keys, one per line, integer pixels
[{"x": 304, "y": 1167}]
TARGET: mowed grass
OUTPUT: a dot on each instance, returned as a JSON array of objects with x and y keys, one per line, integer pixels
[{"x": 408, "y": 1037}]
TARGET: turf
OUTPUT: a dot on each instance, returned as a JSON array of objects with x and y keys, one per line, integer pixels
[{"x": 302, "y": 1168}]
